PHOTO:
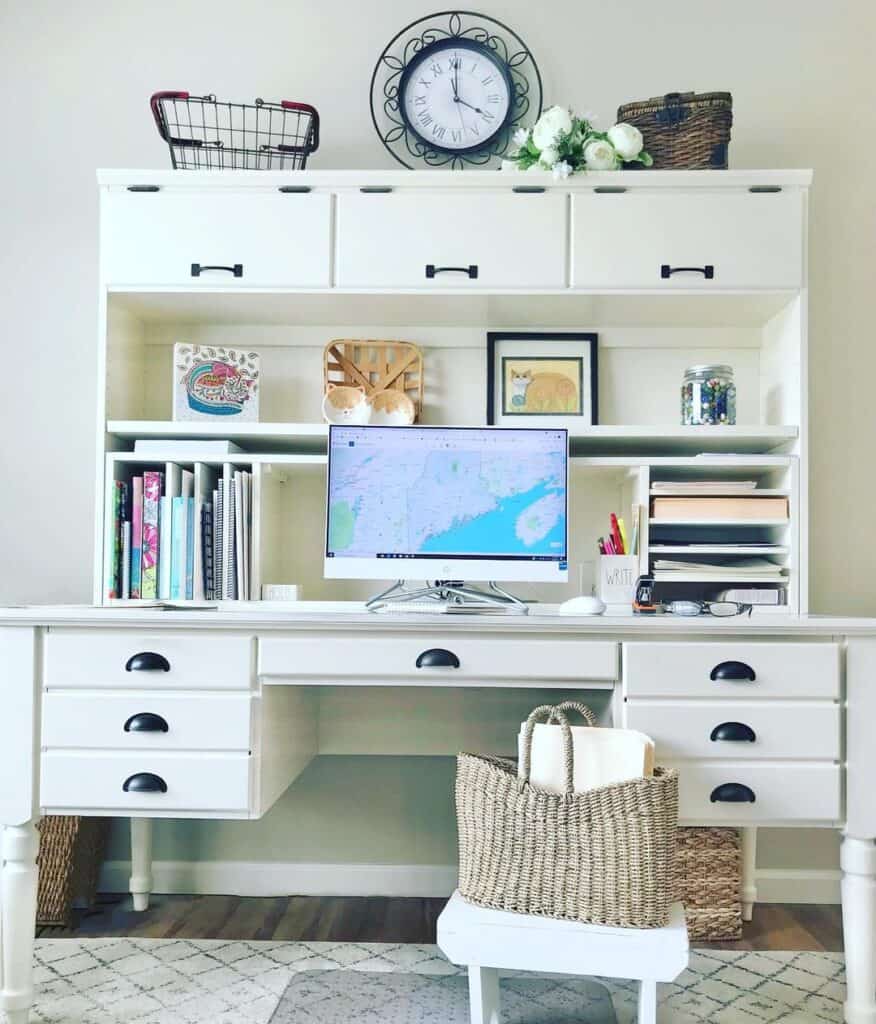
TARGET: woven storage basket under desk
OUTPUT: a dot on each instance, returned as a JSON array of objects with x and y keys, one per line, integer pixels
[
  {"x": 71, "y": 852},
  {"x": 606, "y": 856},
  {"x": 709, "y": 878}
]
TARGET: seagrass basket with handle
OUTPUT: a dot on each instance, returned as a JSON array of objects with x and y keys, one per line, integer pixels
[
  {"x": 605, "y": 856},
  {"x": 684, "y": 130}
]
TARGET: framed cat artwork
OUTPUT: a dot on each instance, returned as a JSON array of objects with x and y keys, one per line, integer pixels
[{"x": 550, "y": 379}]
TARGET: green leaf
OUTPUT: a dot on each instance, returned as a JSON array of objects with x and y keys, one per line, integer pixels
[{"x": 646, "y": 159}]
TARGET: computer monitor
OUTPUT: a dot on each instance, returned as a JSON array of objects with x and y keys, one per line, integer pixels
[{"x": 447, "y": 503}]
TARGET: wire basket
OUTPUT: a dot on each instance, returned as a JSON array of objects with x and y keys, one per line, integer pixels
[{"x": 204, "y": 133}]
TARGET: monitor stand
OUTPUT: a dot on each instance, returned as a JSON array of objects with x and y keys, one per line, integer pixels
[{"x": 451, "y": 595}]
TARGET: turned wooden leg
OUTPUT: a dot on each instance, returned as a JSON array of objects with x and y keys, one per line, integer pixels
[
  {"x": 858, "y": 862},
  {"x": 483, "y": 995},
  {"x": 18, "y": 904},
  {"x": 749, "y": 869},
  {"x": 140, "y": 883},
  {"x": 647, "y": 1002}
]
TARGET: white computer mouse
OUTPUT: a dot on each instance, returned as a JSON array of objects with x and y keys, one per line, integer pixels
[{"x": 584, "y": 605}]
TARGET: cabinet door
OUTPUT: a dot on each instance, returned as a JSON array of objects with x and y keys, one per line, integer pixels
[
  {"x": 679, "y": 241},
  {"x": 471, "y": 240},
  {"x": 260, "y": 239}
]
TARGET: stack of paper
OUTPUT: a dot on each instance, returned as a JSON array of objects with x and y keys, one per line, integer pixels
[
  {"x": 701, "y": 486},
  {"x": 601, "y": 757},
  {"x": 666, "y": 569}
]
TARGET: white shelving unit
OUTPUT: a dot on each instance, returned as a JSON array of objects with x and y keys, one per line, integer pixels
[{"x": 751, "y": 314}]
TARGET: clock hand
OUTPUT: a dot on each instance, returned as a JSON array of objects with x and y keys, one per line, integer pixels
[
  {"x": 456, "y": 80},
  {"x": 477, "y": 110}
]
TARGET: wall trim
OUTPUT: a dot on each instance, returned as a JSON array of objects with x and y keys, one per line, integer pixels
[{"x": 278, "y": 878}]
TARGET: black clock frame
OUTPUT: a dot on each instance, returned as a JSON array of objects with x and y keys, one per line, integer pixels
[
  {"x": 506, "y": 50},
  {"x": 461, "y": 44}
]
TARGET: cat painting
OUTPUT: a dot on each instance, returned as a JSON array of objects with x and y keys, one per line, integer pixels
[
  {"x": 346, "y": 404},
  {"x": 542, "y": 392}
]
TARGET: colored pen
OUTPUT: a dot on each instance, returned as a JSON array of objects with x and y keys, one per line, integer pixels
[
  {"x": 623, "y": 533},
  {"x": 615, "y": 536}
]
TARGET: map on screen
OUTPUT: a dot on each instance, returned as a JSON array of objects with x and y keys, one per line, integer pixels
[{"x": 447, "y": 492}]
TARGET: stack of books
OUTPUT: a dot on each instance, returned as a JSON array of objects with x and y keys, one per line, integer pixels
[
  {"x": 752, "y": 508},
  {"x": 182, "y": 534}
]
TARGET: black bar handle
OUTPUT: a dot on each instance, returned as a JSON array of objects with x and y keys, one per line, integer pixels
[
  {"x": 471, "y": 270},
  {"x": 294, "y": 188},
  {"x": 437, "y": 657},
  {"x": 145, "y": 721},
  {"x": 733, "y": 671},
  {"x": 144, "y": 188},
  {"x": 528, "y": 189},
  {"x": 708, "y": 271},
  {"x": 147, "y": 661},
  {"x": 144, "y": 782},
  {"x": 199, "y": 268},
  {"x": 375, "y": 189},
  {"x": 735, "y": 732},
  {"x": 732, "y": 793},
  {"x": 764, "y": 188},
  {"x": 609, "y": 190}
]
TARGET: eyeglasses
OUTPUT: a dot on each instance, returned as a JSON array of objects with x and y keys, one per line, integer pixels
[{"x": 720, "y": 609}]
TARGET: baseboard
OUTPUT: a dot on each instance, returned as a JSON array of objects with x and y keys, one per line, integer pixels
[{"x": 276, "y": 878}]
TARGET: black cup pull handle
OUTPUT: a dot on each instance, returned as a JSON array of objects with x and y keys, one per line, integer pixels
[
  {"x": 735, "y": 732},
  {"x": 437, "y": 657},
  {"x": 732, "y": 793},
  {"x": 144, "y": 782},
  {"x": 708, "y": 271},
  {"x": 147, "y": 661},
  {"x": 471, "y": 270},
  {"x": 733, "y": 671},
  {"x": 199, "y": 268},
  {"x": 145, "y": 721}
]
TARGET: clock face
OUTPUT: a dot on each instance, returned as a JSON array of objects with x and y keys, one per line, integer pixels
[{"x": 456, "y": 96}]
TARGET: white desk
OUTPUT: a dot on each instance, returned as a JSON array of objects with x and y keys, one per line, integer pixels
[{"x": 227, "y": 708}]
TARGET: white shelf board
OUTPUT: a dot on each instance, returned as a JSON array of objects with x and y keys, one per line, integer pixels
[
  {"x": 717, "y": 523},
  {"x": 719, "y": 492},
  {"x": 598, "y": 440},
  {"x": 717, "y": 549},
  {"x": 665, "y": 576}
]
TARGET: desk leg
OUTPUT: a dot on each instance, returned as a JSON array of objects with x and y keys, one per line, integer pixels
[
  {"x": 647, "y": 1003},
  {"x": 749, "y": 870},
  {"x": 483, "y": 995},
  {"x": 140, "y": 882},
  {"x": 18, "y": 903},
  {"x": 858, "y": 861}
]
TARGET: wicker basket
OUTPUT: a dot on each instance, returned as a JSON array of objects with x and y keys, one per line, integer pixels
[
  {"x": 684, "y": 129},
  {"x": 71, "y": 851},
  {"x": 709, "y": 878},
  {"x": 604, "y": 857}
]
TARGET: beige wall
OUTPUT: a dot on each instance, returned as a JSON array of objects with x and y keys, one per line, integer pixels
[{"x": 75, "y": 81}]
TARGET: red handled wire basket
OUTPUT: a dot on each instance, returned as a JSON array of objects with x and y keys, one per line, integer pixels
[{"x": 204, "y": 133}]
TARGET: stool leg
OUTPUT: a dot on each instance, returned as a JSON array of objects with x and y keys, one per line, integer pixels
[
  {"x": 647, "y": 1002},
  {"x": 483, "y": 994}
]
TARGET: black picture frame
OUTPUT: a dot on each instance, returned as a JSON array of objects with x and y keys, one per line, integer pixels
[{"x": 589, "y": 339}]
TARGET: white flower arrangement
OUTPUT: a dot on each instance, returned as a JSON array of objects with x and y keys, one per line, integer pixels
[{"x": 563, "y": 143}]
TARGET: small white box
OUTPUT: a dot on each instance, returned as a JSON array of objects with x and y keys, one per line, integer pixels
[{"x": 617, "y": 578}]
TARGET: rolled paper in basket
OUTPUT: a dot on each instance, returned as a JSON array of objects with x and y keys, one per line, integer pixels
[{"x": 600, "y": 757}]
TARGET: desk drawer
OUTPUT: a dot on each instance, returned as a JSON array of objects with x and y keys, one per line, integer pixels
[
  {"x": 451, "y": 658},
  {"x": 97, "y": 659},
  {"x": 101, "y": 720},
  {"x": 95, "y": 781},
  {"x": 787, "y": 729},
  {"x": 687, "y": 670},
  {"x": 782, "y": 793}
]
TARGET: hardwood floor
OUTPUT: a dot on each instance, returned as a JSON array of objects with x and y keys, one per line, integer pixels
[{"x": 380, "y": 919}]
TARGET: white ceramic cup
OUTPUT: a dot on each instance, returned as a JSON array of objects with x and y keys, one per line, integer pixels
[{"x": 280, "y": 591}]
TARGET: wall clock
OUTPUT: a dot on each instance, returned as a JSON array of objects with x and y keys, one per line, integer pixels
[{"x": 450, "y": 89}]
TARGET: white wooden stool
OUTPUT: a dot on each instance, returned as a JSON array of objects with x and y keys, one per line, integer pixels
[{"x": 486, "y": 941}]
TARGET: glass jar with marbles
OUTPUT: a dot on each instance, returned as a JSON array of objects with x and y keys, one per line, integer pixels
[{"x": 708, "y": 396}]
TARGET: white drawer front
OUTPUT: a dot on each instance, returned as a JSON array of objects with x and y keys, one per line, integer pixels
[
  {"x": 97, "y": 659},
  {"x": 100, "y": 720},
  {"x": 754, "y": 731},
  {"x": 780, "y": 670},
  {"x": 750, "y": 240},
  {"x": 514, "y": 240},
  {"x": 278, "y": 239},
  {"x": 96, "y": 781},
  {"x": 782, "y": 793},
  {"x": 481, "y": 660}
]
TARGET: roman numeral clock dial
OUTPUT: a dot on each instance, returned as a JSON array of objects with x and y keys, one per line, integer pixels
[{"x": 451, "y": 88}]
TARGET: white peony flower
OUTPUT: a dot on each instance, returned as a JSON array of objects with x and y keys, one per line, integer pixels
[
  {"x": 627, "y": 140},
  {"x": 508, "y": 165},
  {"x": 520, "y": 137},
  {"x": 600, "y": 156},
  {"x": 549, "y": 157},
  {"x": 562, "y": 170},
  {"x": 553, "y": 122}
]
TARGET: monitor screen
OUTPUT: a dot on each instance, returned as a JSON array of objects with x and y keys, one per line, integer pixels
[{"x": 468, "y": 503}]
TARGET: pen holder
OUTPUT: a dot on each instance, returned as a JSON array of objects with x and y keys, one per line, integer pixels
[{"x": 617, "y": 578}]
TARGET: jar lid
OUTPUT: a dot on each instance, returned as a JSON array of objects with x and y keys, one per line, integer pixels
[{"x": 709, "y": 370}]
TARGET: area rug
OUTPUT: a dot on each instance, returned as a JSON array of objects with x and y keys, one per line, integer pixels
[{"x": 163, "y": 981}]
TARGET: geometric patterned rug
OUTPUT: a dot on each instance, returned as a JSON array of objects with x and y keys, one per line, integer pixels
[{"x": 210, "y": 981}]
